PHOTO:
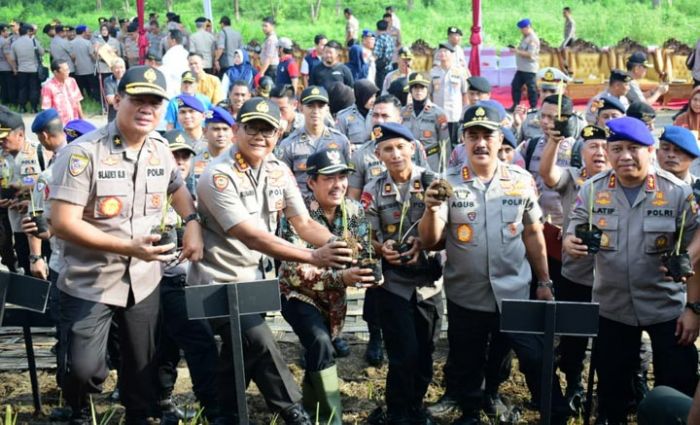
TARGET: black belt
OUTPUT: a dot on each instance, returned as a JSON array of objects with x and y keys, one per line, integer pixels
[{"x": 178, "y": 281}]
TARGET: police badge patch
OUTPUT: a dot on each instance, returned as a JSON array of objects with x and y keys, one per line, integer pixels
[{"x": 77, "y": 163}]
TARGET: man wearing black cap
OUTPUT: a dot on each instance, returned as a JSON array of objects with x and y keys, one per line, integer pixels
[
  {"x": 106, "y": 196},
  {"x": 642, "y": 111},
  {"x": 454, "y": 39},
  {"x": 25, "y": 50},
  {"x": 330, "y": 69},
  {"x": 576, "y": 278},
  {"x": 239, "y": 235},
  {"x": 618, "y": 87},
  {"x": 61, "y": 49},
  {"x": 21, "y": 169},
  {"x": 498, "y": 257},
  {"x": 203, "y": 43},
  {"x": 427, "y": 121},
  {"x": 410, "y": 299},
  {"x": 314, "y": 299},
  {"x": 479, "y": 89},
  {"x": 640, "y": 210},
  {"x": 607, "y": 108},
  {"x": 448, "y": 88},
  {"x": 404, "y": 68},
  {"x": 637, "y": 66},
  {"x": 314, "y": 136}
]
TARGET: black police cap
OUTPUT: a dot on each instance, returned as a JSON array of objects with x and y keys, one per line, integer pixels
[
  {"x": 143, "y": 80},
  {"x": 326, "y": 162},
  {"x": 259, "y": 108}
]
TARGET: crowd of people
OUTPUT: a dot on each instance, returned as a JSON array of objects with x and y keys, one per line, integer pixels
[{"x": 226, "y": 162}]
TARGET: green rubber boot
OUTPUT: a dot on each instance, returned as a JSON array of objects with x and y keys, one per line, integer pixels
[{"x": 325, "y": 385}]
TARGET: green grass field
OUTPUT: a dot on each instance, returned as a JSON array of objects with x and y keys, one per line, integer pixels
[{"x": 603, "y": 22}]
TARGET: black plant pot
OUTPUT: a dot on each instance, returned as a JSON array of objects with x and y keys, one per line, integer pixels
[
  {"x": 8, "y": 193},
  {"x": 180, "y": 231},
  {"x": 678, "y": 265},
  {"x": 591, "y": 238},
  {"x": 166, "y": 237},
  {"x": 403, "y": 248},
  {"x": 375, "y": 265},
  {"x": 564, "y": 126},
  {"x": 42, "y": 224}
]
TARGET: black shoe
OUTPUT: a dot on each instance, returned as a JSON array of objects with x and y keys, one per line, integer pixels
[
  {"x": 377, "y": 417},
  {"x": 511, "y": 109},
  {"x": 374, "y": 353},
  {"x": 493, "y": 405},
  {"x": 420, "y": 416},
  {"x": 83, "y": 417},
  {"x": 61, "y": 414},
  {"x": 342, "y": 349},
  {"x": 169, "y": 408},
  {"x": 469, "y": 418},
  {"x": 445, "y": 405},
  {"x": 296, "y": 415}
]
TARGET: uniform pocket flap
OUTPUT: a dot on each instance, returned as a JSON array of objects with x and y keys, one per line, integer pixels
[
  {"x": 660, "y": 224},
  {"x": 107, "y": 188}
]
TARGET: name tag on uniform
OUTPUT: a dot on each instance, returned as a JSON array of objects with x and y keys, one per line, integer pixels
[{"x": 111, "y": 174}]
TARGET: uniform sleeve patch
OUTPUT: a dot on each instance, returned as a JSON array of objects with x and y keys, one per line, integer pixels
[
  {"x": 77, "y": 163},
  {"x": 220, "y": 181}
]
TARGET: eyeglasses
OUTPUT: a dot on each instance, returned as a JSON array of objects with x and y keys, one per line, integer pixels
[{"x": 266, "y": 132}]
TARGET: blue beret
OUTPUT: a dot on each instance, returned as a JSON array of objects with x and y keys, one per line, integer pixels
[
  {"x": 681, "y": 137},
  {"x": 391, "y": 130},
  {"x": 219, "y": 114},
  {"x": 630, "y": 129},
  {"x": 43, "y": 118},
  {"x": 81, "y": 28},
  {"x": 188, "y": 101},
  {"x": 523, "y": 23},
  {"x": 509, "y": 137},
  {"x": 77, "y": 128}
]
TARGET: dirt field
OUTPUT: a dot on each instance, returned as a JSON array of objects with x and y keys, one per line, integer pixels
[{"x": 362, "y": 389}]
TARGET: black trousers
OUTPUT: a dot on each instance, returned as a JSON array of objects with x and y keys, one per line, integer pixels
[
  {"x": 28, "y": 89},
  {"x": 194, "y": 337},
  {"x": 85, "y": 326},
  {"x": 370, "y": 307},
  {"x": 468, "y": 334},
  {"x": 314, "y": 334},
  {"x": 453, "y": 128},
  {"x": 22, "y": 250},
  {"x": 264, "y": 364},
  {"x": 88, "y": 86},
  {"x": 7, "y": 90},
  {"x": 572, "y": 349},
  {"x": 410, "y": 329},
  {"x": 524, "y": 78},
  {"x": 7, "y": 250},
  {"x": 618, "y": 355}
]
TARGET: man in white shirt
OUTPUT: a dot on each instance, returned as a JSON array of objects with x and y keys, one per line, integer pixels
[{"x": 174, "y": 62}]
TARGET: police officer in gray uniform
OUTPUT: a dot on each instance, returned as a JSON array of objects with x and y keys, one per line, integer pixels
[
  {"x": 527, "y": 125},
  {"x": 364, "y": 160},
  {"x": 492, "y": 227},
  {"x": 351, "y": 121},
  {"x": 85, "y": 65},
  {"x": 61, "y": 49},
  {"x": 426, "y": 120},
  {"x": 25, "y": 50},
  {"x": 106, "y": 197},
  {"x": 241, "y": 195},
  {"x": 410, "y": 299},
  {"x": 314, "y": 136},
  {"x": 641, "y": 211}
]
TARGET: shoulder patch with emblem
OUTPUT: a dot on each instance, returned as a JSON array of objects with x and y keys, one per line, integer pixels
[
  {"x": 220, "y": 181},
  {"x": 77, "y": 163}
]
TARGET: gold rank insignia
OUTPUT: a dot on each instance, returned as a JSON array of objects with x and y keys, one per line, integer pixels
[
  {"x": 375, "y": 171},
  {"x": 651, "y": 183},
  {"x": 117, "y": 141},
  {"x": 77, "y": 163},
  {"x": 153, "y": 159},
  {"x": 220, "y": 181},
  {"x": 659, "y": 199},
  {"x": 262, "y": 107},
  {"x": 111, "y": 160},
  {"x": 612, "y": 182},
  {"x": 109, "y": 206},
  {"x": 179, "y": 139},
  {"x": 603, "y": 198},
  {"x": 71, "y": 132},
  {"x": 150, "y": 75},
  {"x": 661, "y": 242},
  {"x": 390, "y": 228},
  {"x": 465, "y": 173},
  {"x": 315, "y": 91},
  {"x": 465, "y": 233},
  {"x": 242, "y": 164},
  {"x": 351, "y": 118},
  {"x": 480, "y": 112},
  {"x": 332, "y": 146},
  {"x": 596, "y": 105},
  {"x": 588, "y": 131}
]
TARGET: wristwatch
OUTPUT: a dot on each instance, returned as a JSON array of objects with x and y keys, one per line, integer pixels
[
  {"x": 193, "y": 216},
  {"x": 33, "y": 258},
  {"x": 546, "y": 284},
  {"x": 695, "y": 307}
]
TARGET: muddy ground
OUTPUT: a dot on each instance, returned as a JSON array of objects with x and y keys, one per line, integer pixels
[{"x": 362, "y": 389}]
